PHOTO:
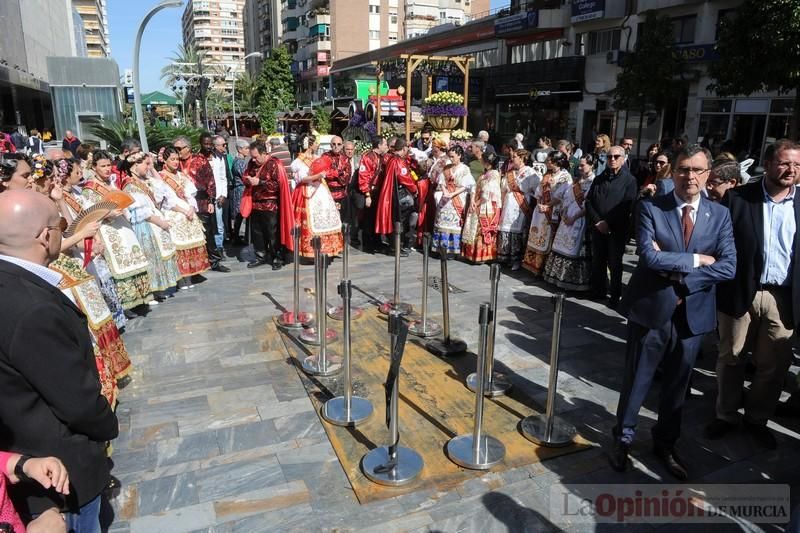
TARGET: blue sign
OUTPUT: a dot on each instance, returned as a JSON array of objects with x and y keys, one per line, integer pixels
[
  {"x": 516, "y": 23},
  {"x": 587, "y": 10},
  {"x": 696, "y": 53}
]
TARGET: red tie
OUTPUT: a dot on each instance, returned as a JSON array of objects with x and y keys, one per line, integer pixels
[{"x": 688, "y": 225}]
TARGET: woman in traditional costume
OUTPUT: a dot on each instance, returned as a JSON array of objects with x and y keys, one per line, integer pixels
[
  {"x": 185, "y": 227},
  {"x": 545, "y": 215},
  {"x": 451, "y": 198},
  {"x": 72, "y": 202},
  {"x": 314, "y": 209},
  {"x": 569, "y": 264},
  {"x": 479, "y": 239},
  {"x": 151, "y": 226},
  {"x": 428, "y": 186},
  {"x": 121, "y": 249},
  {"x": 517, "y": 187}
]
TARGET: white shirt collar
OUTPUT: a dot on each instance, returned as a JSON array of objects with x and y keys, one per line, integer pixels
[
  {"x": 50, "y": 276},
  {"x": 695, "y": 205}
]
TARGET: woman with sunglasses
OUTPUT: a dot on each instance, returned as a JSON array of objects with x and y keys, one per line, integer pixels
[
  {"x": 660, "y": 169},
  {"x": 150, "y": 225},
  {"x": 185, "y": 228},
  {"x": 121, "y": 249},
  {"x": 546, "y": 214}
]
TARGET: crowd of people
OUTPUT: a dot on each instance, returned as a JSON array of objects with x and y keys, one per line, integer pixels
[{"x": 90, "y": 240}]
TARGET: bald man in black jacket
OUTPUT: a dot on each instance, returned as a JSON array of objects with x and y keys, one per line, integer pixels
[{"x": 51, "y": 403}]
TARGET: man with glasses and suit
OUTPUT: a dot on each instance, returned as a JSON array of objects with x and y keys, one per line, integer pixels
[
  {"x": 608, "y": 208},
  {"x": 685, "y": 246}
]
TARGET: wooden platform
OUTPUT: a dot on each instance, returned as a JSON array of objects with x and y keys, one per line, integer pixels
[{"x": 435, "y": 406}]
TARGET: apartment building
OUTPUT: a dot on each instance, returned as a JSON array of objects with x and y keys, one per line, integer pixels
[
  {"x": 422, "y": 15},
  {"x": 216, "y": 27},
  {"x": 95, "y": 26},
  {"x": 262, "y": 30}
]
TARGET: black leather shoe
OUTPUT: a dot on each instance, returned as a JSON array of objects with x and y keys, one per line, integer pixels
[
  {"x": 618, "y": 457},
  {"x": 762, "y": 435},
  {"x": 256, "y": 263},
  {"x": 790, "y": 408},
  {"x": 219, "y": 267},
  {"x": 403, "y": 252},
  {"x": 277, "y": 266},
  {"x": 717, "y": 429},
  {"x": 613, "y": 302},
  {"x": 672, "y": 462}
]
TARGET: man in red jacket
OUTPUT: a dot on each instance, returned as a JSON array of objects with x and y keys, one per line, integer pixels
[
  {"x": 397, "y": 200},
  {"x": 272, "y": 218},
  {"x": 370, "y": 172}
]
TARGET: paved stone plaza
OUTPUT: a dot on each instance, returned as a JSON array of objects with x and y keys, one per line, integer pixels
[{"x": 217, "y": 432}]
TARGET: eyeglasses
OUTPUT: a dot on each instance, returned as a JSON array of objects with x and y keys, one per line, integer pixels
[
  {"x": 615, "y": 156},
  {"x": 62, "y": 225},
  {"x": 684, "y": 171}
]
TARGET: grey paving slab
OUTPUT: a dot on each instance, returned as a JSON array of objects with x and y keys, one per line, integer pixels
[{"x": 217, "y": 433}]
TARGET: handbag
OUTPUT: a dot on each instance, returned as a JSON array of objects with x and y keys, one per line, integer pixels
[{"x": 246, "y": 205}]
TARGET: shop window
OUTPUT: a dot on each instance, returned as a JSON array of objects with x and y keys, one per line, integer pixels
[
  {"x": 782, "y": 105},
  {"x": 778, "y": 127},
  {"x": 683, "y": 29}
]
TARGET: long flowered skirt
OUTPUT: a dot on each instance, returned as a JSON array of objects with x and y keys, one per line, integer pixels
[
  {"x": 164, "y": 273},
  {"x": 510, "y": 246},
  {"x": 99, "y": 268},
  {"x": 446, "y": 241}
]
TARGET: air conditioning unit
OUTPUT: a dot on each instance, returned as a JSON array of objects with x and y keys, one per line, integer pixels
[{"x": 612, "y": 57}]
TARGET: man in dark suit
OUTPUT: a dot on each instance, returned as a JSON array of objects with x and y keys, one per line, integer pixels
[
  {"x": 762, "y": 303},
  {"x": 685, "y": 246},
  {"x": 608, "y": 208},
  {"x": 51, "y": 403}
]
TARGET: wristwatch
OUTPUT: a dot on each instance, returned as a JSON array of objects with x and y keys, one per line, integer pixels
[{"x": 18, "y": 470}]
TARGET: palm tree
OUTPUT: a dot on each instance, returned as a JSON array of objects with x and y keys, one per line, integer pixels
[
  {"x": 185, "y": 63},
  {"x": 246, "y": 93}
]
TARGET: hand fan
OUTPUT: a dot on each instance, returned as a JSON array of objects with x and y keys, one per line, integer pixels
[{"x": 120, "y": 198}]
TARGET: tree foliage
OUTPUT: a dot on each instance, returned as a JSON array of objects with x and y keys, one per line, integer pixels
[
  {"x": 246, "y": 93},
  {"x": 157, "y": 136},
  {"x": 759, "y": 48},
  {"x": 650, "y": 73},
  {"x": 322, "y": 120},
  {"x": 276, "y": 86}
]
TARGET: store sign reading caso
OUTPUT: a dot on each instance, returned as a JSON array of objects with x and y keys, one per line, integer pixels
[{"x": 587, "y": 10}]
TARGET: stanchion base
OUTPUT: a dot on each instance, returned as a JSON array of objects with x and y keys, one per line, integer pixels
[
  {"x": 442, "y": 348},
  {"x": 309, "y": 320},
  {"x": 534, "y": 428},
  {"x": 408, "y": 468},
  {"x": 337, "y": 313},
  {"x": 460, "y": 451},
  {"x": 335, "y": 412},
  {"x": 333, "y": 365},
  {"x": 429, "y": 329},
  {"x": 390, "y": 305},
  {"x": 309, "y": 336},
  {"x": 289, "y": 321},
  {"x": 498, "y": 387}
]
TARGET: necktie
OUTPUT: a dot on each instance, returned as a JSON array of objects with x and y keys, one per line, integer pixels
[{"x": 688, "y": 225}]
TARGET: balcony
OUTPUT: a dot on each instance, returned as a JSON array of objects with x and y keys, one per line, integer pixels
[
  {"x": 318, "y": 71},
  {"x": 314, "y": 45}
]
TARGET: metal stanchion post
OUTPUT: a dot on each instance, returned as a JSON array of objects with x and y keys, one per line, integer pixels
[
  {"x": 496, "y": 384},
  {"x": 311, "y": 335},
  {"x": 295, "y": 318},
  {"x": 393, "y": 465},
  {"x": 550, "y": 430},
  {"x": 337, "y": 312},
  {"x": 448, "y": 345},
  {"x": 478, "y": 451},
  {"x": 395, "y": 304},
  {"x": 325, "y": 362},
  {"x": 347, "y": 410},
  {"x": 423, "y": 327}
]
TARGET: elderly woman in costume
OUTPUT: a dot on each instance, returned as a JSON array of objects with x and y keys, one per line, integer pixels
[
  {"x": 569, "y": 265},
  {"x": 479, "y": 238},
  {"x": 314, "y": 209},
  {"x": 546, "y": 213},
  {"x": 121, "y": 248},
  {"x": 517, "y": 188},
  {"x": 151, "y": 226},
  {"x": 176, "y": 200}
]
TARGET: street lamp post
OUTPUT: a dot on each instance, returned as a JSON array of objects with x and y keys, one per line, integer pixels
[
  {"x": 233, "y": 94},
  {"x": 137, "y": 97}
]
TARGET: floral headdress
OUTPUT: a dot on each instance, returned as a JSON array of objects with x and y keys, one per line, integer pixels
[
  {"x": 63, "y": 169},
  {"x": 40, "y": 166},
  {"x": 136, "y": 158}
]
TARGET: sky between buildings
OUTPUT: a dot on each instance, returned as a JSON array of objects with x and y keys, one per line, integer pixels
[{"x": 161, "y": 38}]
